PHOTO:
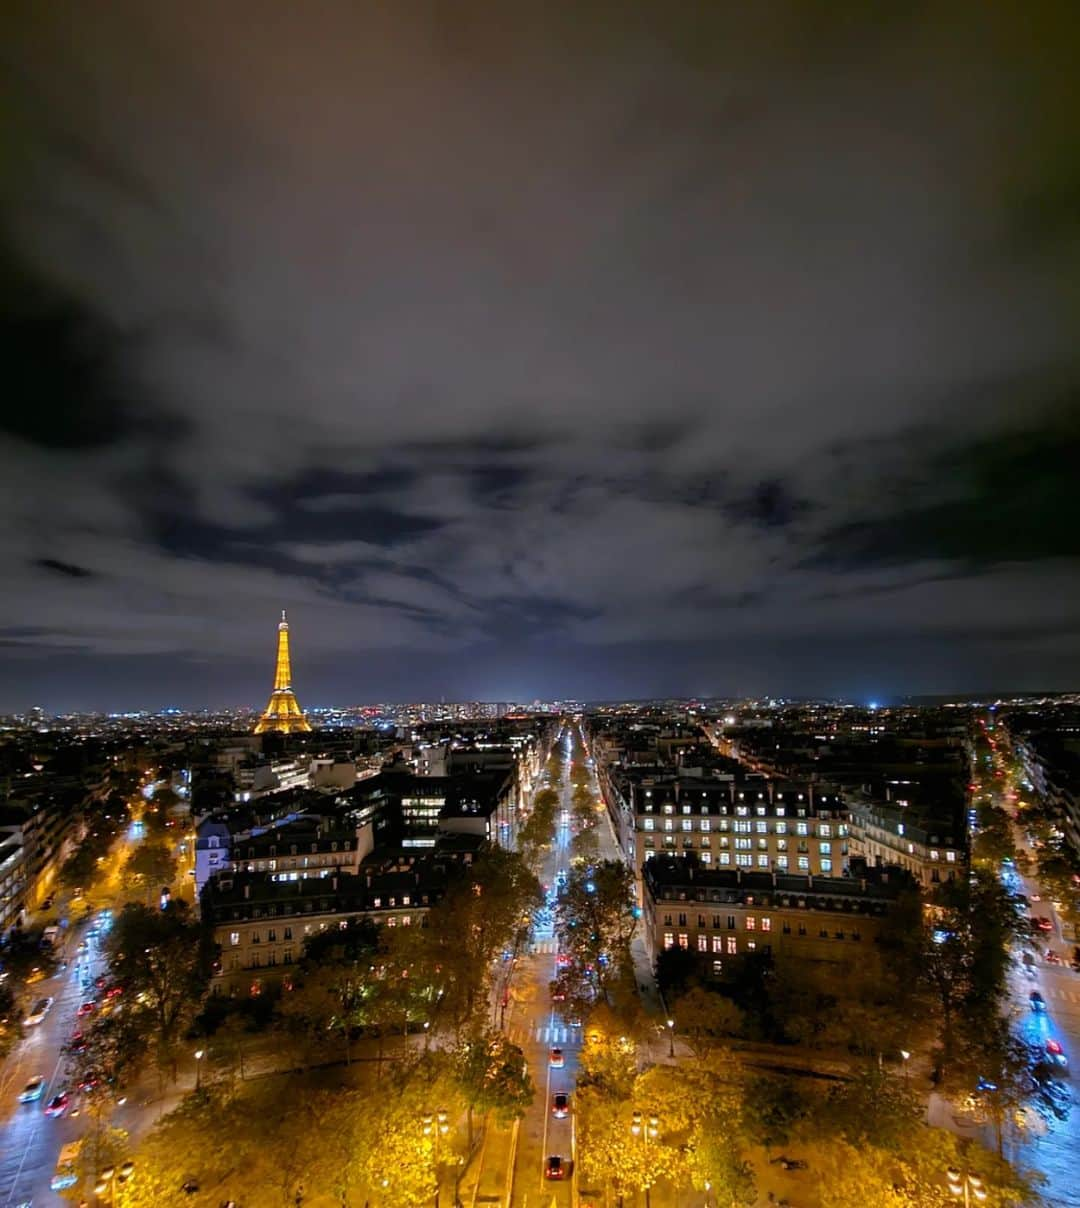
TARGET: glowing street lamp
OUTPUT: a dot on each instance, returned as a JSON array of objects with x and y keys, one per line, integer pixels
[
  {"x": 671, "y": 1037},
  {"x": 436, "y": 1127},
  {"x": 969, "y": 1186},
  {"x": 199, "y": 1055},
  {"x": 646, "y": 1131}
]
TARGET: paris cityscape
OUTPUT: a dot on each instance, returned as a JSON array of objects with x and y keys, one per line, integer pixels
[{"x": 540, "y": 641}]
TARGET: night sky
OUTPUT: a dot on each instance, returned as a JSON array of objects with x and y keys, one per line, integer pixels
[{"x": 538, "y": 350}]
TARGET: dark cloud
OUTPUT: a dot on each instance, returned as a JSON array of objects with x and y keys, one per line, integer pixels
[{"x": 619, "y": 347}]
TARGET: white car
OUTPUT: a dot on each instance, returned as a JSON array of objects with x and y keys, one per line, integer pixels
[{"x": 41, "y": 1009}]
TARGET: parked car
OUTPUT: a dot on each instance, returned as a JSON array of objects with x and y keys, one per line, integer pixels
[
  {"x": 1043, "y": 923},
  {"x": 1052, "y": 958},
  {"x": 1056, "y": 1053},
  {"x": 58, "y": 1104}
]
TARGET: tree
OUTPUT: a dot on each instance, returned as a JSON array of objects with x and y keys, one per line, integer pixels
[
  {"x": 874, "y": 1108},
  {"x": 707, "y": 1020},
  {"x": 596, "y": 921},
  {"x": 485, "y": 910},
  {"x": 150, "y": 866},
  {"x": 493, "y": 1076},
  {"x": 163, "y": 958}
]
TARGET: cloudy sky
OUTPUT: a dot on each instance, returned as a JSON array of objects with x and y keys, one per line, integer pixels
[{"x": 538, "y": 349}]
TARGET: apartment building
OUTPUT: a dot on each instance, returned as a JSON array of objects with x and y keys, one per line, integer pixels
[{"x": 725, "y": 915}]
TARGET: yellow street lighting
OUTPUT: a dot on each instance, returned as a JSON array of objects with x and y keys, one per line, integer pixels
[{"x": 970, "y": 1186}]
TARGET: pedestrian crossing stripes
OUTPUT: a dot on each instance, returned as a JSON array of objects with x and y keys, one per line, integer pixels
[
  {"x": 559, "y": 1033},
  {"x": 546, "y": 945},
  {"x": 1063, "y": 995}
]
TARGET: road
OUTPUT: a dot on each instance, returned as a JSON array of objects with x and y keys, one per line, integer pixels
[
  {"x": 30, "y": 1141},
  {"x": 515, "y": 1159},
  {"x": 1053, "y": 1151}
]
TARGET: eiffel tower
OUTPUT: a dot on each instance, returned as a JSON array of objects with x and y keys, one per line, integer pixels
[{"x": 283, "y": 713}]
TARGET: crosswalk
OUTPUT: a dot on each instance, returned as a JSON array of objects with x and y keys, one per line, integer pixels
[
  {"x": 1055, "y": 992},
  {"x": 548, "y": 945},
  {"x": 559, "y": 1033}
]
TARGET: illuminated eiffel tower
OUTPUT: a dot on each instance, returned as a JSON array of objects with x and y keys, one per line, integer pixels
[{"x": 283, "y": 713}]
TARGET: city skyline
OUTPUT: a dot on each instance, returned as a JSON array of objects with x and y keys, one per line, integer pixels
[{"x": 669, "y": 361}]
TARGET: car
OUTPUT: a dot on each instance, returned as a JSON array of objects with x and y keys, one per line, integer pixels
[
  {"x": 1052, "y": 958},
  {"x": 90, "y": 1083},
  {"x": 58, "y": 1104},
  {"x": 77, "y": 1043},
  {"x": 41, "y": 1009},
  {"x": 1042, "y": 923},
  {"x": 114, "y": 991},
  {"x": 35, "y": 975},
  {"x": 101, "y": 982},
  {"x": 1036, "y": 897},
  {"x": 555, "y": 1168},
  {"x": 556, "y": 1059},
  {"x": 86, "y": 1008},
  {"x": 558, "y": 996},
  {"x": 562, "y": 960},
  {"x": 34, "y": 1089},
  {"x": 1038, "y": 1003},
  {"x": 560, "y": 1105},
  {"x": 1056, "y": 1054}
]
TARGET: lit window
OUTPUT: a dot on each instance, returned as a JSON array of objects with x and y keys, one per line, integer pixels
[
  {"x": 669, "y": 940},
  {"x": 751, "y": 946},
  {"x": 766, "y": 924},
  {"x": 705, "y": 824},
  {"x": 804, "y": 863},
  {"x": 706, "y": 857},
  {"x": 826, "y": 865},
  {"x": 688, "y": 824},
  {"x": 763, "y": 861},
  {"x": 934, "y": 855},
  {"x": 648, "y": 824},
  {"x": 703, "y": 943},
  {"x": 824, "y": 830},
  {"x": 732, "y": 945},
  {"x": 781, "y": 861},
  {"x": 825, "y": 848},
  {"x": 717, "y": 943},
  {"x": 744, "y": 861},
  {"x": 684, "y": 940},
  {"x": 717, "y": 968},
  {"x": 234, "y": 937},
  {"x": 668, "y": 824},
  {"x": 762, "y": 828},
  {"x": 724, "y": 858},
  {"x": 751, "y": 922},
  {"x": 950, "y": 856},
  {"x": 801, "y": 828}
]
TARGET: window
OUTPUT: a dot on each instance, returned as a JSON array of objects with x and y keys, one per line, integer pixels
[
  {"x": 825, "y": 848},
  {"x": 744, "y": 861},
  {"x": 701, "y": 921},
  {"x": 703, "y": 943},
  {"x": 732, "y": 945},
  {"x": 801, "y": 828},
  {"x": 823, "y": 933},
  {"x": 781, "y": 861},
  {"x": 781, "y": 828},
  {"x": 824, "y": 830},
  {"x": 717, "y": 968},
  {"x": 744, "y": 844},
  {"x": 684, "y": 940},
  {"x": 766, "y": 924},
  {"x": 742, "y": 828},
  {"x": 686, "y": 809},
  {"x": 648, "y": 824},
  {"x": 934, "y": 855},
  {"x": 688, "y": 824},
  {"x": 287, "y": 958},
  {"x": 234, "y": 937},
  {"x": 717, "y": 943},
  {"x": 950, "y": 857},
  {"x": 254, "y": 937},
  {"x": 826, "y": 865},
  {"x": 751, "y": 922},
  {"x": 751, "y": 945},
  {"x": 288, "y": 933},
  {"x": 669, "y": 940},
  {"x": 804, "y": 864},
  {"x": 667, "y": 920},
  {"x": 763, "y": 861},
  {"x": 668, "y": 824},
  {"x": 705, "y": 824},
  {"x": 706, "y": 858},
  {"x": 762, "y": 828},
  {"x": 725, "y": 858},
  {"x": 682, "y": 920},
  {"x": 802, "y": 928},
  {"x": 271, "y": 936}
]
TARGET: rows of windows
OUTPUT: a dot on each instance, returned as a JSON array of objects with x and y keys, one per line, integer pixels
[
  {"x": 763, "y": 860},
  {"x": 729, "y": 944},
  {"x": 823, "y": 830}
]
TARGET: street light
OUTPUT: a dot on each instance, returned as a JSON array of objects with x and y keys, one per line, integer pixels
[
  {"x": 970, "y": 1186},
  {"x": 671, "y": 1037},
  {"x": 647, "y": 1131},
  {"x": 905, "y": 1056},
  {"x": 199, "y": 1054},
  {"x": 436, "y": 1127}
]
